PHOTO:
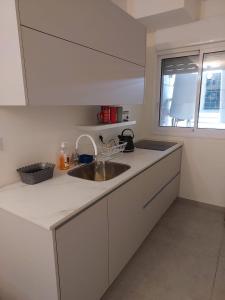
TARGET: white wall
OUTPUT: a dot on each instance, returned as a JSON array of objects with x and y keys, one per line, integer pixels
[
  {"x": 157, "y": 14},
  {"x": 203, "y": 162},
  {"x": 212, "y": 8},
  {"x": 204, "y": 31},
  {"x": 193, "y": 8},
  {"x": 34, "y": 134},
  {"x": 143, "y": 8},
  {"x": 210, "y": 28},
  {"x": 122, "y": 4}
]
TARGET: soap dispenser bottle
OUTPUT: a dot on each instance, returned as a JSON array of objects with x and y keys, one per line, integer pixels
[{"x": 64, "y": 160}]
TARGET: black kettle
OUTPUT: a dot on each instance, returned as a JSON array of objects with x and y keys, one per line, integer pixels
[{"x": 129, "y": 139}]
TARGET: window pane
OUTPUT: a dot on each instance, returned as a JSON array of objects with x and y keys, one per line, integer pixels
[
  {"x": 178, "y": 91},
  {"x": 212, "y": 101}
]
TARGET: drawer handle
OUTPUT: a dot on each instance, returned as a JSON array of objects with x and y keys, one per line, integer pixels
[{"x": 157, "y": 193}]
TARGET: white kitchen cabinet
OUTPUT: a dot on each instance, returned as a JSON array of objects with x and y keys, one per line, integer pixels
[
  {"x": 82, "y": 248},
  {"x": 70, "y": 53},
  {"x": 28, "y": 269},
  {"x": 136, "y": 207},
  {"x": 80, "y": 75},
  {"x": 125, "y": 226},
  {"x": 80, "y": 258},
  {"x": 12, "y": 87},
  {"x": 97, "y": 24},
  {"x": 69, "y": 263}
]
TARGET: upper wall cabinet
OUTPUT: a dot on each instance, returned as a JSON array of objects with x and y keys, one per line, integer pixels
[
  {"x": 72, "y": 52},
  {"x": 98, "y": 24},
  {"x": 12, "y": 88},
  {"x": 80, "y": 75}
]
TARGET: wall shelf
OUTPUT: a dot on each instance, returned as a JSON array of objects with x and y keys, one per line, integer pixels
[{"x": 100, "y": 127}]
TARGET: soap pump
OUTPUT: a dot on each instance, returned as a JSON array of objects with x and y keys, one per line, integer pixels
[{"x": 64, "y": 160}]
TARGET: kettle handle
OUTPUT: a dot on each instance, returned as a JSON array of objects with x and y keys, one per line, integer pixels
[{"x": 128, "y": 129}]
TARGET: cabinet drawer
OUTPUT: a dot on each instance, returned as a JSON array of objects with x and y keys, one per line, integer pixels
[
  {"x": 129, "y": 222},
  {"x": 154, "y": 178},
  {"x": 97, "y": 24},
  {"x": 62, "y": 73},
  {"x": 154, "y": 210}
]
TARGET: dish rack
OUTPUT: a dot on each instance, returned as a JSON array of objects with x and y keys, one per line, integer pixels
[{"x": 109, "y": 151}]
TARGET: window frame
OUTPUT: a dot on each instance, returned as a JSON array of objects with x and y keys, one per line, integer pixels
[{"x": 200, "y": 50}]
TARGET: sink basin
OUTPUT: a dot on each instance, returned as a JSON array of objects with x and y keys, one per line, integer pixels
[{"x": 99, "y": 171}]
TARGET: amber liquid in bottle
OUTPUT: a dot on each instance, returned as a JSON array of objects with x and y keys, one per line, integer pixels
[{"x": 64, "y": 161}]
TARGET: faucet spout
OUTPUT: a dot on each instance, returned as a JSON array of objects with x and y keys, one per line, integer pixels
[{"x": 92, "y": 141}]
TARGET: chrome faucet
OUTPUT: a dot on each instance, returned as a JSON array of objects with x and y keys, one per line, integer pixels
[{"x": 92, "y": 141}]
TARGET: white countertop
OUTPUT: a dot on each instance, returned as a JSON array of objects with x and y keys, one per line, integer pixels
[{"x": 50, "y": 203}]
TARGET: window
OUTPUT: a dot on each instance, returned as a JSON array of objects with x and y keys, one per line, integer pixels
[
  {"x": 178, "y": 91},
  {"x": 190, "y": 83},
  {"x": 212, "y": 91},
  {"x": 212, "y": 98}
]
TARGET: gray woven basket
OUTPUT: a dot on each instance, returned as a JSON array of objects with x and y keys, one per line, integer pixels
[{"x": 36, "y": 173}]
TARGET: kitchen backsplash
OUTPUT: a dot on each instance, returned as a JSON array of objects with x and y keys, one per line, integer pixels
[{"x": 32, "y": 134}]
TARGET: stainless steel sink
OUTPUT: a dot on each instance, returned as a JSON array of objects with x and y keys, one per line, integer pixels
[{"x": 99, "y": 171}]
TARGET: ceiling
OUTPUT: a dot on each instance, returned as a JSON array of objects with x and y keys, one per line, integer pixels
[{"x": 159, "y": 14}]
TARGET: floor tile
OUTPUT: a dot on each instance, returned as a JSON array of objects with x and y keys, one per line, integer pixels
[
  {"x": 223, "y": 246},
  {"x": 161, "y": 271},
  {"x": 191, "y": 215},
  {"x": 198, "y": 229},
  {"x": 219, "y": 288},
  {"x": 178, "y": 260}
]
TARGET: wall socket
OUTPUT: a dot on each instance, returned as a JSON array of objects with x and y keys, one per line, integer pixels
[{"x": 1, "y": 144}]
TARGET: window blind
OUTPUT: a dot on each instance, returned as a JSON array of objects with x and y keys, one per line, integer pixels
[{"x": 180, "y": 65}]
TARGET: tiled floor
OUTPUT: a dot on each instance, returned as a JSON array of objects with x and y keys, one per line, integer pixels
[{"x": 182, "y": 259}]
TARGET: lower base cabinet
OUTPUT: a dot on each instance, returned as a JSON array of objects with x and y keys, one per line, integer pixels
[
  {"x": 135, "y": 208},
  {"x": 82, "y": 257},
  {"x": 82, "y": 249},
  {"x": 125, "y": 226}
]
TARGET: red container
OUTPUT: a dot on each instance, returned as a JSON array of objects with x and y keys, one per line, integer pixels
[
  {"x": 104, "y": 115},
  {"x": 113, "y": 114}
]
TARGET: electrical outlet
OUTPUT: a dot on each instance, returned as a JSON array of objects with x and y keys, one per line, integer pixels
[{"x": 1, "y": 144}]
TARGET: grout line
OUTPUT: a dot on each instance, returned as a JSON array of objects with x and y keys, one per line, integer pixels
[{"x": 216, "y": 271}]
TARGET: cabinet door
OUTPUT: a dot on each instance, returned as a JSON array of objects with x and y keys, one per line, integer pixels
[
  {"x": 28, "y": 269},
  {"x": 82, "y": 247},
  {"x": 125, "y": 226},
  {"x": 62, "y": 73},
  {"x": 97, "y": 24},
  {"x": 12, "y": 90}
]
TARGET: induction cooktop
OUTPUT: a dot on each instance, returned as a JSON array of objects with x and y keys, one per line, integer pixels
[{"x": 154, "y": 145}]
